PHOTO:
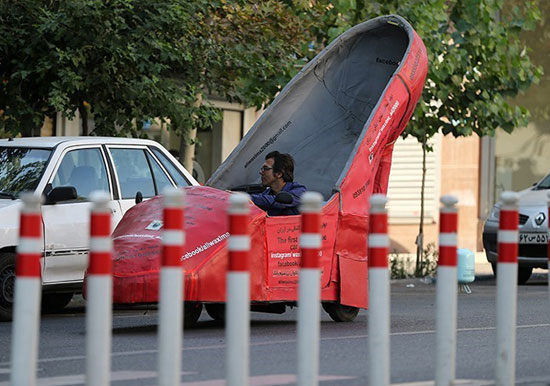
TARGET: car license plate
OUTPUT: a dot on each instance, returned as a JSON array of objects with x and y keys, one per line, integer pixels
[{"x": 533, "y": 238}]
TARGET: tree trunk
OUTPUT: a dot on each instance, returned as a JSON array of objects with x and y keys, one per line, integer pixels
[
  {"x": 420, "y": 237},
  {"x": 84, "y": 116},
  {"x": 187, "y": 149},
  {"x": 187, "y": 144}
]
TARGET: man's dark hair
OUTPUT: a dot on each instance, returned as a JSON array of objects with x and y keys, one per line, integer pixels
[{"x": 282, "y": 163}]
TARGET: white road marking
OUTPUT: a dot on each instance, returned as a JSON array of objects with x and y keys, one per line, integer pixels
[
  {"x": 268, "y": 380},
  {"x": 222, "y": 346},
  {"x": 260, "y": 380},
  {"x": 457, "y": 382},
  {"x": 424, "y": 332},
  {"x": 78, "y": 379},
  {"x": 479, "y": 382}
]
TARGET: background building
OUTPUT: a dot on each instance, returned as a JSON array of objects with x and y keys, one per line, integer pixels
[{"x": 474, "y": 169}]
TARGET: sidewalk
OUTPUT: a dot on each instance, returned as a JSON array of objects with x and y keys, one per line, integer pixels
[{"x": 483, "y": 268}]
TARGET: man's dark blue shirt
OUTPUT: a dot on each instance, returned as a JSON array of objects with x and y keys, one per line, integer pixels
[{"x": 266, "y": 200}]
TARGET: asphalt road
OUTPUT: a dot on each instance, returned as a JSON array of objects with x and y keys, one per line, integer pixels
[{"x": 273, "y": 344}]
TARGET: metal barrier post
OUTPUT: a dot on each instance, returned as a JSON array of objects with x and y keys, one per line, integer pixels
[
  {"x": 379, "y": 290},
  {"x": 238, "y": 292},
  {"x": 507, "y": 276},
  {"x": 446, "y": 293},
  {"x": 171, "y": 288},
  {"x": 548, "y": 235},
  {"x": 309, "y": 291},
  {"x": 99, "y": 288},
  {"x": 28, "y": 291}
]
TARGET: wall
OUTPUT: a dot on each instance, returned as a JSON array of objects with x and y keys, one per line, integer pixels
[{"x": 458, "y": 175}]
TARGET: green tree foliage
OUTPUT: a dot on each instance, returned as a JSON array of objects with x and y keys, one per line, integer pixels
[
  {"x": 536, "y": 98},
  {"x": 477, "y": 61},
  {"x": 125, "y": 61}
]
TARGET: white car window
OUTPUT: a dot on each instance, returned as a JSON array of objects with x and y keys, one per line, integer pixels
[
  {"x": 134, "y": 173},
  {"x": 85, "y": 170},
  {"x": 174, "y": 173},
  {"x": 161, "y": 179}
]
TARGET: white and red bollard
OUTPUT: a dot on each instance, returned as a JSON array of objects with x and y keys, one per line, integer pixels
[
  {"x": 446, "y": 296},
  {"x": 171, "y": 288},
  {"x": 507, "y": 276},
  {"x": 237, "y": 329},
  {"x": 99, "y": 293},
  {"x": 28, "y": 291},
  {"x": 379, "y": 290},
  {"x": 309, "y": 291}
]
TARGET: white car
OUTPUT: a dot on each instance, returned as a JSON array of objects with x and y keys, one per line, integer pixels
[{"x": 65, "y": 170}]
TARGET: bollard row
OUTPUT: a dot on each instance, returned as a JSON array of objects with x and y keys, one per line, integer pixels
[{"x": 99, "y": 289}]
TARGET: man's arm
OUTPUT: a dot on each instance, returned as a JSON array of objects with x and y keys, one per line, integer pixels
[
  {"x": 296, "y": 191},
  {"x": 263, "y": 200},
  {"x": 267, "y": 201}
]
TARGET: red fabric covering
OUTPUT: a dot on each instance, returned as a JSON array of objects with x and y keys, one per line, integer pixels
[{"x": 275, "y": 251}]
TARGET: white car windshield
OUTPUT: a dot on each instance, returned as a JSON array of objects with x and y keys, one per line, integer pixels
[{"x": 21, "y": 169}]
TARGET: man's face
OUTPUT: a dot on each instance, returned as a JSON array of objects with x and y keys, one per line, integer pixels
[{"x": 266, "y": 171}]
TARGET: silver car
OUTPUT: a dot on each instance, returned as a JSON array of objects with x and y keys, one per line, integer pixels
[{"x": 533, "y": 230}]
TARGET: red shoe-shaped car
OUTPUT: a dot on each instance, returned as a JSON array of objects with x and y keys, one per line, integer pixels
[{"x": 339, "y": 118}]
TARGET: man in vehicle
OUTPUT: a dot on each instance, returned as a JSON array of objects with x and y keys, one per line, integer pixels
[{"x": 277, "y": 176}]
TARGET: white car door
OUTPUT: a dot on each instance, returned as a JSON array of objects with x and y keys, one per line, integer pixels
[
  {"x": 137, "y": 171},
  {"x": 67, "y": 224}
]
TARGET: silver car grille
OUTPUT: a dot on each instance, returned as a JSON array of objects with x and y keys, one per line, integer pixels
[{"x": 523, "y": 219}]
